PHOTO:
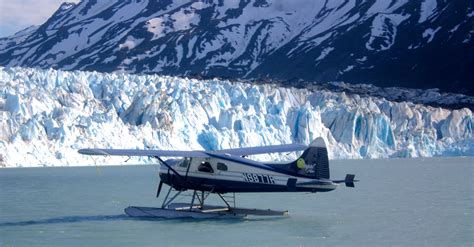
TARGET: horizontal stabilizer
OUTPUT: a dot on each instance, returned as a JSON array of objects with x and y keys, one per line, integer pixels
[{"x": 349, "y": 180}]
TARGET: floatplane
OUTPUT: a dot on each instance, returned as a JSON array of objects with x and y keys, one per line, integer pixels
[{"x": 229, "y": 171}]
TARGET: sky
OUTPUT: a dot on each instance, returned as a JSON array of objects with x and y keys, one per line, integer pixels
[{"x": 16, "y": 15}]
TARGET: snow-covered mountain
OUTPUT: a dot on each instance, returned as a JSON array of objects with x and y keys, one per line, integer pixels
[
  {"x": 47, "y": 115},
  {"x": 415, "y": 44}
]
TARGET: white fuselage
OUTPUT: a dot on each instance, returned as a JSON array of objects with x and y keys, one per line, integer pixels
[{"x": 223, "y": 175}]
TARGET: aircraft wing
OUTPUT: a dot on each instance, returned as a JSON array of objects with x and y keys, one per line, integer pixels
[
  {"x": 138, "y": 152},
  {"x": 177, "y": 153},
  {"x": 263, "y": 150}
]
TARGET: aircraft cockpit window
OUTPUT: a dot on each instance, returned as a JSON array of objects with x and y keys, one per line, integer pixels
[
  {"x": 221, "y": 166},
  {"x": 205, "y": 167},
  {"x": 184, "y": 163}
]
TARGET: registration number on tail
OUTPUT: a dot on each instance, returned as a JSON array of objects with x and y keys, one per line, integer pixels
[{"x": 258, "y": 178}]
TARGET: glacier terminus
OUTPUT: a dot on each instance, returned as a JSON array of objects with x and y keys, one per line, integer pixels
[{"x": 47, "y": 115}]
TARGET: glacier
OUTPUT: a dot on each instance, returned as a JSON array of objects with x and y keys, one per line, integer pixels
[{"x": 47, "y": 115}]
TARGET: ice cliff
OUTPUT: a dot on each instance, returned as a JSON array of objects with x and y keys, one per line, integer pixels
[{"x": 47, "y": 115}]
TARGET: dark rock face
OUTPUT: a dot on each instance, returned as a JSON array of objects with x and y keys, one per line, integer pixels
[{"x": 414, "y": 44}]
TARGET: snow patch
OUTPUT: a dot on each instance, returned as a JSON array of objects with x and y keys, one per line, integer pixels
[
  {"x": 184, "y": 19},
  {"x": 427, "y": 9},
  {"x": 384, "y": 31},
  {"x": 156, "y": 27},
  {"x": 324, "y": 53},
  {"x": 362, "y": 59},
  {"x": 130, "y": 43},
  {"x": 430, "y": 33},
  {"x": 348, "y": 68}
]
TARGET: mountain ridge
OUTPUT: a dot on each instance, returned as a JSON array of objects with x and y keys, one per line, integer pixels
[{"x": 426, "y": 44}]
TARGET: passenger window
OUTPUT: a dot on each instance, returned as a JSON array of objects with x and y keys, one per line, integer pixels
[
  {"x": 221, "y": 166},
  {"x": 205, "y": 167}
]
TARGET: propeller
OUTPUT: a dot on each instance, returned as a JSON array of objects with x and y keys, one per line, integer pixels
[{"x": 159, "y": 189}]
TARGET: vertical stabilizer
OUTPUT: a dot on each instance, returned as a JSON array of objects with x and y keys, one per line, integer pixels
[{"x": 314, "y": 160}]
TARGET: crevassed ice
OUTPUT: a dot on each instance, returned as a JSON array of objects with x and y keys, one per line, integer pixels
[{"x": 47, "y": 115}]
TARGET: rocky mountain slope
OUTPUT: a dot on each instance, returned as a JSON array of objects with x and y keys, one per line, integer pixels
[{"x": 415, "y": 44}]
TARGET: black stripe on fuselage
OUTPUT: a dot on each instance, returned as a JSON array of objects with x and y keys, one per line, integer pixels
[{"x": 225, "y": 186}]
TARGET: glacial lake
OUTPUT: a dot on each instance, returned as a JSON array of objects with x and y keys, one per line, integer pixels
[{"x": 405, "y": 202}]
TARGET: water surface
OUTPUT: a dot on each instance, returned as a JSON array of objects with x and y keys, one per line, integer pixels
[{"x": 427, "y": 202}]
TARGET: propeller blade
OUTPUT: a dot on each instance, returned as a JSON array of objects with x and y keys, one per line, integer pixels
[{"x": 159, "y": 189}]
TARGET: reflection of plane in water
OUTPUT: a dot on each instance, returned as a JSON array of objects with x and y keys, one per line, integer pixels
[{"x": 228, "y": 171}]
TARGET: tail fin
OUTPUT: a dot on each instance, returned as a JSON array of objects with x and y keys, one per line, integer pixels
[{"x": 314, "y": 160}]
